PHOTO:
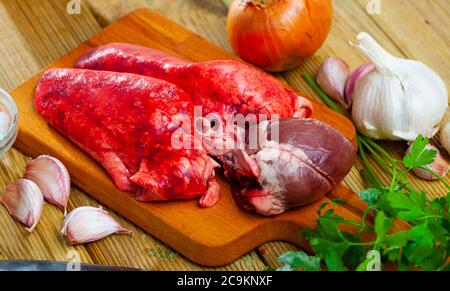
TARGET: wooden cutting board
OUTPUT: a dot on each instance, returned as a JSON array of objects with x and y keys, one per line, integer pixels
[{"x": 211, "y": 237}]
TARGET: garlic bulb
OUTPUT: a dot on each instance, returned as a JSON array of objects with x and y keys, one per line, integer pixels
[
  {"x": 360, "y": 72},
  {"x": 440, "y": 166},
  {"x": 52, "y": 178},
  {"x": 88, "y": 224},
  {"x": 445, "y": 137},
  {"x": 399, "y": 99},
  {"x": 24, "y": 202},
  {"x": 332, "y": 77}
]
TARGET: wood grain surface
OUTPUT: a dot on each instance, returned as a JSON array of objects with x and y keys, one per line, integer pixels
[{"x": 34, "y": 33}]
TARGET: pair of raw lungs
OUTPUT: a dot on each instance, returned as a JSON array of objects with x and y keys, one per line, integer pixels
[{"x": 129, "y": 106}]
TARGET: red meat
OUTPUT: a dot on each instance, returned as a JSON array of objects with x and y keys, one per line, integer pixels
[
  {"x": 300, "y": 164},
  {"x": 219, "y": 86},
  {"x": 307, "y": 160},
  {"x": 126, "y": 122}
]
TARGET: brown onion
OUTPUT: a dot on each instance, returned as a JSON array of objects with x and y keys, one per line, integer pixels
[{"x": 277, "y": 35}]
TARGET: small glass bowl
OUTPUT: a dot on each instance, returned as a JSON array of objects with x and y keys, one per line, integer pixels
[{"x": 7, "y": 104}]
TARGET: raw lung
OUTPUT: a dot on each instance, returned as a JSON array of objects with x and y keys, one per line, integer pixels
[
  {"x": 222, "y": 86},
  {"x": 126, "y": 123}
]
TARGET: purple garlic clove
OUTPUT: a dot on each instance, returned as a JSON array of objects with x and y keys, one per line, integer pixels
[
  {"x": 332, "y": 77},
  {"x": 360, "y": 72}
]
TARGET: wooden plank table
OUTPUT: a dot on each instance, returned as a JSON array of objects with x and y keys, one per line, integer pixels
[{"x": 33, "y": 33}]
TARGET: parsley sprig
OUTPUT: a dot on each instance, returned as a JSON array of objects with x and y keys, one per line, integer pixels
[{"x": 423, "y": 245}]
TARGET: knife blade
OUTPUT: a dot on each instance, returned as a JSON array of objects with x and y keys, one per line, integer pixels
[{"x": 56, "y": 266}]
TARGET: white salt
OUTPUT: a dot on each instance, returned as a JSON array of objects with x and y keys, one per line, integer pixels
[{"x": 4, "y": 123}]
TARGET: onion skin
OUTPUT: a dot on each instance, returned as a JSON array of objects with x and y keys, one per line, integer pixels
[{"x": 279, "y": 34}]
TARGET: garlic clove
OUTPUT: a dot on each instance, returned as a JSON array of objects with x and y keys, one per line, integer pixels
[
  {"x": 360, "y": 72},
  {"x": 52, "y": 178},
  {"x": 24, "y": 201},
  {"x": 87, "y": 224},
  {"x": 445, "y": 137},
  {"x": 332, "y": 77},
  {"x": 440, "y": 166}
]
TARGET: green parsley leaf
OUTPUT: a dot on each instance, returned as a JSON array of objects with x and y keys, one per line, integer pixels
[
  {"x": 434, "y": 260},
  {"x": 322, "y": 245},
  {"x": 363, "y": 265},
  {"x": 382, "y": 224},
  {"x": 419, "y": 199},
  {"x": 328, "y": 228},
  {"x": 419, "y": 249},
  {"x": 370, "y": 196},
  {"x": 408, "y": 207},
  {"x": 397, "y": 240},
  {"x": 333, "y": 261},
  {"x": 419, "y": 155},
  {"x": 355, "y": 253},
  {"x": 438, "y": 230},
  {"x": 393, "y": 253},
  {"x": 299, "y": 261},
  {"x": 439, "y": 205}
]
